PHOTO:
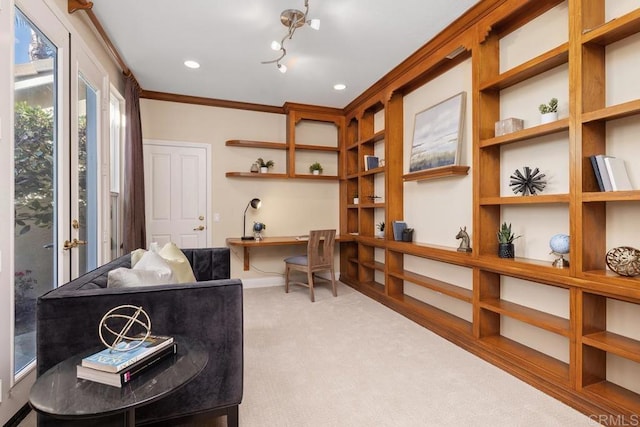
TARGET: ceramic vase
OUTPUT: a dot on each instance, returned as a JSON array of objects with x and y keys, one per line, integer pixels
[
  {"x": 505, "y": 250},
  {"x": 548, "y": 117},
  {"x": 264, "y": 169}
]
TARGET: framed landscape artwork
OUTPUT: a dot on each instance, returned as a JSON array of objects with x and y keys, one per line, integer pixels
[{"x": 437, "y": 135}]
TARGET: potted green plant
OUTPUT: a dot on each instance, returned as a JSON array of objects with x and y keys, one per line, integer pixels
[
  {"x": 505, "y": 241},
  {"x": 380, "y": 228},
  {"x": 264, "y": 165},
  {"x": 315, "y": 168},
  {"x": 549, "y": 112}
]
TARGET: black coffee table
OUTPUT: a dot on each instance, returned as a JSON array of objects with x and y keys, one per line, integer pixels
[{"x": 60, "y": 394}]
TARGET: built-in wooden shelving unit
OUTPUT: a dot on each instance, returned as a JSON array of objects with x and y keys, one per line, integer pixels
[{"x": 376, "y": 267}]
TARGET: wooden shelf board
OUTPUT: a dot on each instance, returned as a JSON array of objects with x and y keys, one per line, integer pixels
[
  {"x": 613, "y": 278},
  {"x": 320, "y": 177},
  {"x": 614, "y": 30},
  {"x": 434, "y": 314},
  {"x": 307, "y": 147},
  {"x": 525, "y": 200},
  {"x": 523, "y": 355},
  {"x": 435, "y": 173},
  {"x": 614, "y": 343},
  {"x": 257, "y": 175},
  {"x": 528, "y": 133},
  {"x": 375, "y": 286},
  {"x": 352, "y": 175},
  {"x": 545, "y": 62},
  {"x": 608, "y": 392},
  {"x": 522, "y": 267},
  {"x": 611, "y": 196},
  {"x": 374, "y": 171},
  {"x": 439, "y": 253},
  {"x": 256, "y": 144},
  {"x": 613, "y": 112},
  {"x": 376, "y": 137},
  {"x": 445, "y": 288},
  {"x": 546, "y": 321},
  {"x": 374, "y": 265},
  {"x": 372, "y": 205}
]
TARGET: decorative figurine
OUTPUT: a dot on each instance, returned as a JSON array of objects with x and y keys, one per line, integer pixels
[
  {"x": 624, "y": 260},
  {"x": 464, "y": 243},
  {"x": 258, "y": 228},
  {"x": 528, "y": 183},
  {"x": 559, "y": 245}
]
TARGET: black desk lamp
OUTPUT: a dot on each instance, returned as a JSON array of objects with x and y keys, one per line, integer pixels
[{"x": 255, "y": 204}]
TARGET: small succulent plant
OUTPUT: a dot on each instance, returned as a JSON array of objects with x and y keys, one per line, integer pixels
[
  {"x": 505, "y": 235},
  {"x": 551, "y": 107}
]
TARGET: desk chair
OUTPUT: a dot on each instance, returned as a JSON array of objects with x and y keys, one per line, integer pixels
[{"x": 319, "y": 257}]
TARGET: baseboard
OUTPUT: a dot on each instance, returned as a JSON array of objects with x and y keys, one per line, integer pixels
[
  {"x": 18, "y": 416},
  {"x": 267, "y": 282}
]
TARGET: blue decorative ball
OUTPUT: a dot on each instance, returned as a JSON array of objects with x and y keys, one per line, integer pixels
[
  {"x": 258, "y": 227},
  {"x": 559, "y": 244}
]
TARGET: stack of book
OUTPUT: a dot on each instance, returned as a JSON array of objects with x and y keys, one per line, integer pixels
[
  {"x": 116, "y": 368},
  {"x": 610, "y": 173}
]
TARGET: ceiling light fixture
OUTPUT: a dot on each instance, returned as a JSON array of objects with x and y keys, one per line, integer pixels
[
  {"x": 339, "y": 86},
  {"x": 191, "y": 64},
  {"x": 292, "y": 19}
]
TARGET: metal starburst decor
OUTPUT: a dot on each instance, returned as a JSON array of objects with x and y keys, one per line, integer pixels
[{"x": 528, "y": 183}]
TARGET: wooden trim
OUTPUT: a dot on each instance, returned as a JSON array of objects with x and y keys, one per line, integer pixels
[
  {"x": 73, "y": 6},
  {"x": 210, "y": 102}
]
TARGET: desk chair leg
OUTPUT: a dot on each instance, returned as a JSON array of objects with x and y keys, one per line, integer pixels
[
  {"x": 310, "y": 281},
  {"x": 333, "y": 283},
  {"x": 286, "y": 279}
]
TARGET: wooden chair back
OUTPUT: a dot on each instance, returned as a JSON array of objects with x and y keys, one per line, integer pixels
[{"x": 320, "y": 249}]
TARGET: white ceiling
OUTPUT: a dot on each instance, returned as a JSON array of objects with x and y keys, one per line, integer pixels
[{"x": 359, "y": 42}]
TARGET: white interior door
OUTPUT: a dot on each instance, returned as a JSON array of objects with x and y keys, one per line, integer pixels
[{"x": 177, "y": 182}]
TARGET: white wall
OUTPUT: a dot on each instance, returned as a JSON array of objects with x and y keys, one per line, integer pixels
[{"x": 289, "y": 207}]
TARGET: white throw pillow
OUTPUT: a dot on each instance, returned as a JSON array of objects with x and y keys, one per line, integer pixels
[
  {"x": 125, "y": 277},
  {"x": 136, "y": 256},
  {"x": 179, "y": 263},
  {"x": 152, "y": 261}
]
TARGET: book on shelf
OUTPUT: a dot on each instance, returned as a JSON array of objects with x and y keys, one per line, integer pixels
[
  {"x": 109, "y": 360},
  {"x": 617, "y": 174},
  {"x": 602, "y": 170},
  {"x": 596, "y": 172},
  {"x": 398, "y": 229},
  {"x": 118, "y": 379},
  {"x": 371, "y": 162}
]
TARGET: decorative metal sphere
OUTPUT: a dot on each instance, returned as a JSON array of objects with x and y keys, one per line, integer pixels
[
  {"x": 559, "y": 244},
  {"x": 113, "y": 320},
  {"x": 258, "y": 227}
]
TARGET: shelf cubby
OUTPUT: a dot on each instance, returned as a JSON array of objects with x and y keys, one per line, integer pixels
[{"x": 540, "y": 319}]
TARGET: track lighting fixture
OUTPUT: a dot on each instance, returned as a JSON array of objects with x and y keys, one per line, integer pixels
[{"x": 292, "y": 19}]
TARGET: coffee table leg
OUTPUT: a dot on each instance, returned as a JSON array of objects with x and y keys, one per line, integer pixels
[{"x": 130, "y": 418}]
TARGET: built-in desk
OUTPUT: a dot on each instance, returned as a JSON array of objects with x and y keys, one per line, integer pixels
[{"x": 271, "y": 241}]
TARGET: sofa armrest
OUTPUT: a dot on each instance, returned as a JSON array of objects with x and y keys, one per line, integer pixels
[{"x": 210, "y": 311}]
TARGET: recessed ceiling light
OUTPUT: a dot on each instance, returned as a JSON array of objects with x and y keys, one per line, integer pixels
[
  {"x": 191, "y": 64},
  {"x": 340, "y": 86}
]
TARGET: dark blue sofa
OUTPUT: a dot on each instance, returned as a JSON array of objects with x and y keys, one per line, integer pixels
[{"x": 210, "y": 310}]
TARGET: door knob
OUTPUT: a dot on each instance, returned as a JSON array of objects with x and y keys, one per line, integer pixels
[{"x": 199, "y": 228}]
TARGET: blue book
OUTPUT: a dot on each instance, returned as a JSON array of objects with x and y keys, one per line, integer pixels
[{"x": 109, "y": 360}]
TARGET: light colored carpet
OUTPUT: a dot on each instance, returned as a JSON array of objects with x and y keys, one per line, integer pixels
[{"x": 350, "y": 361}]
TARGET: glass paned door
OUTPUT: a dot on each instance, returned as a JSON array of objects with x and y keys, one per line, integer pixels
[
  {"x": 37, "y": 133},
  {"x": 85, "y": 222}
]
